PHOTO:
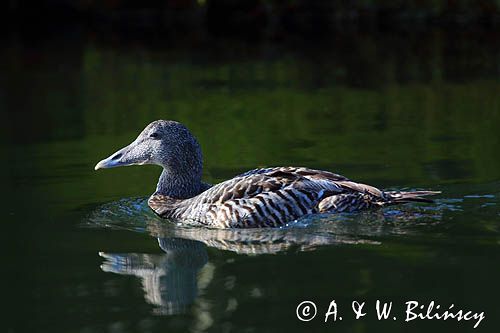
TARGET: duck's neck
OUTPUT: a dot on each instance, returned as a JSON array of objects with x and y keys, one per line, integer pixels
[
  {"x": 182, "y": 171},
  {"x": 179, "y": 185}
]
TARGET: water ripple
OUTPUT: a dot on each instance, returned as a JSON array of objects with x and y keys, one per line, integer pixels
[{"x": 307, "y": 233}]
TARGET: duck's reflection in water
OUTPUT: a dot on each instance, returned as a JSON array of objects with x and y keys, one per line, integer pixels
[
  {"x": 169, "y": 280},
  {"x": 174, "y": 281},
  {"x": 252, "y": 241}
]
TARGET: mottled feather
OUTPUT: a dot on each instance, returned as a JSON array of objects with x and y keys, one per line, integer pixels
[{"x": 272, "y": 197}]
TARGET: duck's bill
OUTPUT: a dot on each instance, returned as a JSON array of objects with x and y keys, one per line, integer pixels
[
  {"x": 118, "y": 159},
  {"x": 107, "y": 163}
]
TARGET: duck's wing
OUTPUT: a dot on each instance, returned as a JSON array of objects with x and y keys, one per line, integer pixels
[
  {"x": 267, "y": 197},
  {"x": 258, "y": 181}
]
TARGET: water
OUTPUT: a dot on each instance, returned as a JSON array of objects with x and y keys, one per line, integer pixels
[{"x": 83, "y": 253}]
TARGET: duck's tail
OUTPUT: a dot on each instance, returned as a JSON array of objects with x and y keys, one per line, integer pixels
[{"x": 397, "y": 197}]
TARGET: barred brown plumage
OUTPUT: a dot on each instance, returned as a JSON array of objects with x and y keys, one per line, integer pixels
[{"x": 267, "y": 197}]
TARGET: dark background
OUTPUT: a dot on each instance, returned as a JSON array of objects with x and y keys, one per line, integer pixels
[{"x": 247, "y": 19}]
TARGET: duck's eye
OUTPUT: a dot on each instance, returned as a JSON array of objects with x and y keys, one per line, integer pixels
[{"x": 154, "y": 135}]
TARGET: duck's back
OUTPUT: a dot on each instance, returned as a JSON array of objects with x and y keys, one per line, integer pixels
[{"x": 272, "y": 197}]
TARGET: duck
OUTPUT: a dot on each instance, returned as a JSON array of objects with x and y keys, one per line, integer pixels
[{"x": 259, "y": 198}]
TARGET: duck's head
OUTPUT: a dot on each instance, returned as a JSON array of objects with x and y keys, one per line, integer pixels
[{"x": 163, "y": 142}]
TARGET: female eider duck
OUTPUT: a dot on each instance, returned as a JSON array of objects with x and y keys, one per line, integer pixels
[{"x": 268, "y": 197}]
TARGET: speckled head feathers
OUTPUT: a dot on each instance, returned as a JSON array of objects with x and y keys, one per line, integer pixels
[
  {"x": 162, "y": 142},
  {"x": 166, "y": 143}
]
